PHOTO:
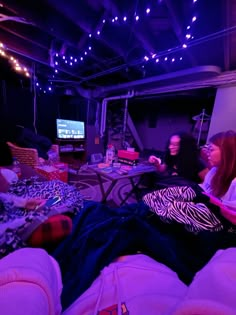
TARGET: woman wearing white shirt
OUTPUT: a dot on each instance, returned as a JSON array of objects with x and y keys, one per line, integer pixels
[{"x": 220, "y": 182}]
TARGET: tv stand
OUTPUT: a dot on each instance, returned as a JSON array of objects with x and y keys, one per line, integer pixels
[{"x": 72, "y": 151}]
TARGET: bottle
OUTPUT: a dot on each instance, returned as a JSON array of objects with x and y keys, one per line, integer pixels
[
  {"x": 16, "y": 167},
  {"x": 110, "y": 154}
]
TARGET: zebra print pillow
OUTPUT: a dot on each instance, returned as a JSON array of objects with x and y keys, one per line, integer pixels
[{"x": 176, "y": 204}]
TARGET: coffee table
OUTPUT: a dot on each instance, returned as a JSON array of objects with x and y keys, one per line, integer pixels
[{"x": 135, "y": 172}]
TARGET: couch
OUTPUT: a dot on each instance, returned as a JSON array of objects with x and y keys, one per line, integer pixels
[{"x": 30, "y": 283}]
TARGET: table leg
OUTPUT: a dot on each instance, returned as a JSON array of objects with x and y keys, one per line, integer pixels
[
  {"x": 133, "y": 190},
  {"x": 105, "y": 194}
]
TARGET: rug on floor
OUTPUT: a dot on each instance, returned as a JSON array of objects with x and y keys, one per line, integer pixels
[{"x": 86, "y": 181}]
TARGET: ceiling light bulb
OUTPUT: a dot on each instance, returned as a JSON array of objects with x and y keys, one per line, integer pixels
[
  {"x": 137, "y": 18},
  {"x": 194, "y": 19},
  {"x": 184, "y": 46},
  {"x": 148, "y": 10},
  {"x": 124, "y": 18}
]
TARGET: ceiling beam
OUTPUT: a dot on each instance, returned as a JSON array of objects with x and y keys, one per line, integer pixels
[
  {"x": 38, "y": 24},
  {"x": 28, "y": 50}
]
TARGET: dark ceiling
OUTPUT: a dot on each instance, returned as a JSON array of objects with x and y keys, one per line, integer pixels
[{"x": 101, "y": 43}]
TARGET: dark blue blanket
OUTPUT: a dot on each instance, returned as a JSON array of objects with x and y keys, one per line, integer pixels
[{"x": 101, "y": 234}]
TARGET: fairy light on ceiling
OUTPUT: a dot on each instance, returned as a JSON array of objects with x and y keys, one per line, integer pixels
[
  {"x": 188, "y": 36},
  {"x": 44, "y": 87},
  {"x": 16, "y": 65},
  {"x": 20, "y": 68},
  {"x": 172, "y": 55}
]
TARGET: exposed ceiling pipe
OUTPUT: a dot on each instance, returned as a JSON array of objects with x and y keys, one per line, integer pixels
[
  {"x": 83, "y": 92},
  {"x": 104, "y": 109},
  {"x": 228, "y": 79},
  {"x": 187, "y": 74}
]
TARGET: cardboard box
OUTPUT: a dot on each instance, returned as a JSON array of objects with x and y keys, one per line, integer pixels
[{"x": 57, "y": 171}]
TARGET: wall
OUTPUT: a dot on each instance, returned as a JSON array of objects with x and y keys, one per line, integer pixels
[
  {"x": 16, "y": 108},
  {"x": 158, "y": 118},
  {"x": 157, "y": 137},
  {"x": 155, "y": 118},
  {"x": 224, "y": 111}
]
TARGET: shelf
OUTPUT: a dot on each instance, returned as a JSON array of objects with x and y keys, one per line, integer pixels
[{"x": 72, "y": 151}]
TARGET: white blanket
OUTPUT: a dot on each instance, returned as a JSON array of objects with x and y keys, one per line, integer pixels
[{"x": 30, "y": 283}]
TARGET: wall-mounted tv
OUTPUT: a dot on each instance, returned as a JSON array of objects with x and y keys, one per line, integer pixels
[{"x": 70, "y": 129}]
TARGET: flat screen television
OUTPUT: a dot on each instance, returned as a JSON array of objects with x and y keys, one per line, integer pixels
[{"x": 70, "y": 129}]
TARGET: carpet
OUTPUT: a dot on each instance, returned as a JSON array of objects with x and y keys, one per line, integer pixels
[{"x": 86, "y": 181}]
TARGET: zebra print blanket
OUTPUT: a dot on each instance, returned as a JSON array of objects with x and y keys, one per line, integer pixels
[{"x": 178, "y": 204}]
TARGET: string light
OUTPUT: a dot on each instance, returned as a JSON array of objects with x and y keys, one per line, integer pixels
[
  {"x": 18, "y": 67},
  {"x": 188, "y": 37},
  {"x": 116, "y": 20},
  {"x": 44, "y": 86},
  {"x": 113, "y": 20}
]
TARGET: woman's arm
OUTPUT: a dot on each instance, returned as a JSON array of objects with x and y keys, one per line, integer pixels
[
  {"x": 227, "y": 209},
  {"x": 20, "y": 202},
  {"x": 202, "y": 174},
  {"x": 157, "y": 163}
]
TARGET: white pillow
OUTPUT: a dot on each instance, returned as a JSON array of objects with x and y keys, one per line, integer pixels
[{"x": 9, "y": 175}]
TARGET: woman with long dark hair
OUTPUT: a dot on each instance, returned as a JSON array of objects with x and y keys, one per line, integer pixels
[
  {"x": 182, "y": 158},
  {"x": 221, "y": 179}
]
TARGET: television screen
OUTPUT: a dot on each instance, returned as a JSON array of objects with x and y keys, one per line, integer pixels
[{"x": 70, "y": 129}]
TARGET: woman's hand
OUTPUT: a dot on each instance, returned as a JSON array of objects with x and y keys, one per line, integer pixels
[
  {"x": 34, "y": 203},
  {"x": 154, "y": 160}
]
